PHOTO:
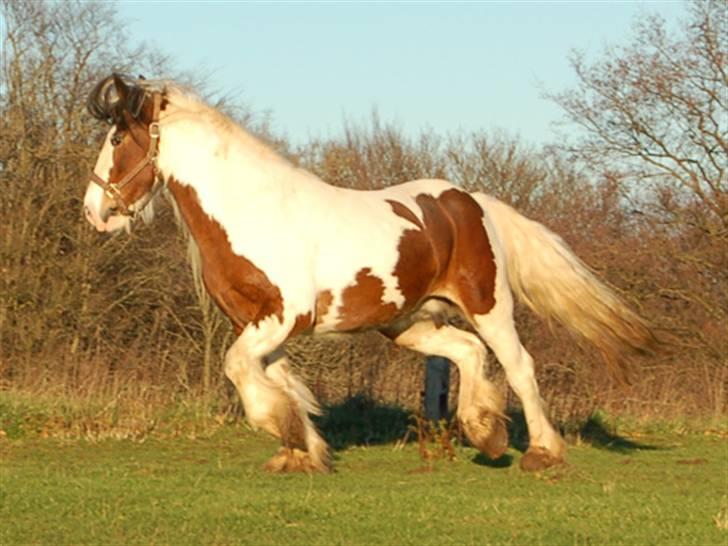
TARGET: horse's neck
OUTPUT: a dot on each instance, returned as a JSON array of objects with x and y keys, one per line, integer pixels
[
  {"x": 230, "y": 164},
  {"x": 235, "y": 194}
]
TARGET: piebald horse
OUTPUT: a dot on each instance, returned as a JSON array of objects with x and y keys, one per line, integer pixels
[{"x": 282, "y": 254}]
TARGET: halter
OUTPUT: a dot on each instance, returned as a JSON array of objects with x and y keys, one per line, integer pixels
[{"x": 113, "y": 190}]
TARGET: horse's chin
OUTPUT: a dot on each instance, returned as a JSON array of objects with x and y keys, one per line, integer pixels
[{"x": 114, "y": 225}]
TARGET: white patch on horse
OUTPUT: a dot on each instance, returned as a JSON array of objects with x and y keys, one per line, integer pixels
[
  {"x": 287, "y": 221},
  {"x": 93, "y": 201}
]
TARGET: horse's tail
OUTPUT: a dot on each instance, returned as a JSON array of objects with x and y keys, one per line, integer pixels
[{"x": 546, "y": 275}]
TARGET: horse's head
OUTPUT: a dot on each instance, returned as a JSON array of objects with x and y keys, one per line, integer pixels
[{"x": 126, "y": 176}]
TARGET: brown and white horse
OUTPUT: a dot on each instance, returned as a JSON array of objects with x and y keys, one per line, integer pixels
[{"x": 283, "y": 253}]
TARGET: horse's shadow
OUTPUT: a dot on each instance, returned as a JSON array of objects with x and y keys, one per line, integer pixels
[
  {"x": 504, "y": 461},
  {"x": 594, "y": 431},
  {"x": 359, "y": 420},
  {"x": 598, "y": 434}
]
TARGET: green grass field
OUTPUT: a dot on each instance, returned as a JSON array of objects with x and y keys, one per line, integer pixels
[{"x": 656, "y": 489}]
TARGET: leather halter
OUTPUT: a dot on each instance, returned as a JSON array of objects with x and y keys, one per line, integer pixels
[{"x": 113, "y": 190}]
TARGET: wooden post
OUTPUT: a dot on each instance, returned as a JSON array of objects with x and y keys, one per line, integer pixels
[{"x": 437, "y": 387}]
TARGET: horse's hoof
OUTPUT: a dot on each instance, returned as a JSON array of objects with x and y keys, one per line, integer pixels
[
  {"x": 497, "y": 444},
  {"x": 294, "y": 460},
  {"x": 538, "y": 458},
  {"x": 488, "y": 434}
]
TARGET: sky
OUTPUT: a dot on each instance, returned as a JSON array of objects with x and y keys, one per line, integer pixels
[{"x": 445, "y": 67}]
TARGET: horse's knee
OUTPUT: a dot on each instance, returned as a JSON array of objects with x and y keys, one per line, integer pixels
[{"x": 234, "y": 364}]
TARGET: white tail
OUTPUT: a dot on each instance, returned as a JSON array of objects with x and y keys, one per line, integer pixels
[{"x": 546, "y": 275}]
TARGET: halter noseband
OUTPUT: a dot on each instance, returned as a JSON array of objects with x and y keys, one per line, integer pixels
[{"x": 113, "y": 190}]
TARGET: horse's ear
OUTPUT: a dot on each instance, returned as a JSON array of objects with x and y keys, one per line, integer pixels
[
  {"x": 135, "y": 102},
  {"x": 122, "y": 89}
]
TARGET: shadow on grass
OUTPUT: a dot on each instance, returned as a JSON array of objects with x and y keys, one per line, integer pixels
[
  {"x": 600, "y": 435},
  {"x": 594, "y": 431},
  {"x": 359, "y": 420},
  {"x": 504, "y": 461}
]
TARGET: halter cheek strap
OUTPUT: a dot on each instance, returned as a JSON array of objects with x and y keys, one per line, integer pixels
[{"x": 113, "y": 189}]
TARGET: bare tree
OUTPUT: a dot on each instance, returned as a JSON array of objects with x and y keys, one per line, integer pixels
[
  {"x": 373, "y": 157},
  {"x": 68, "y": 296},
  {"x": 656, "y": 112}
]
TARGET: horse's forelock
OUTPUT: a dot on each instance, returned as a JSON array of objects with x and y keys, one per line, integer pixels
[{"x": 103, "y": 102}]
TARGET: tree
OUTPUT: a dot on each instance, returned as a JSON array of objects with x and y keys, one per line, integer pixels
[
  {"x": 654, "y": 113},
  {"x": 70, "y": 299}
]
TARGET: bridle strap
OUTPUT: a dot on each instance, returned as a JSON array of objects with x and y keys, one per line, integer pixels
[{"x": 113, "y": 190}]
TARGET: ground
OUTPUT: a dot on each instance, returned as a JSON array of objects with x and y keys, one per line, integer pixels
[{"x": 656, "y": 488}]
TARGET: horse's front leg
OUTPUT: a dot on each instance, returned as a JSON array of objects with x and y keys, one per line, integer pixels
[
  {"x": 314, "y": 454},
  {"x": 276, "y": 401}
]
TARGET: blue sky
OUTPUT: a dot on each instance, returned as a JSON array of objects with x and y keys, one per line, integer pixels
[{"x": 441, "y": 66}]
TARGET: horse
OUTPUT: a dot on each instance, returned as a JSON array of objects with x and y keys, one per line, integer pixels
[{"x": 282, "y": 253}]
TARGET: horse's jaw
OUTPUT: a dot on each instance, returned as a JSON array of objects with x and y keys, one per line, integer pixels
[{"x": 112, "y": 224}]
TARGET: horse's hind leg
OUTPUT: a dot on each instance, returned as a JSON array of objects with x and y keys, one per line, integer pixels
[
  {"x": 546, "y": 448},
  {"x": 277, "y": 402},
  {"x": 480, "y": 405}
]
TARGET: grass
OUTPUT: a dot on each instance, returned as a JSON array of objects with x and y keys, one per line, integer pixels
[{"x": 658, "y": 489}]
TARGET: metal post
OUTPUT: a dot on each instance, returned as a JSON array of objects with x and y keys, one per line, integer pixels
[{"x": 437, "y": 387}]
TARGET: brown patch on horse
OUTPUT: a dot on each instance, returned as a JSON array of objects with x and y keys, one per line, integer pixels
[
  {"x": 402, "y": 211},
  {"x": 450, "y": 253},
  {"x": 304, "y": 321},
  {"x": 291, "y": 428},
  {"x": 241, "y": 290},
  {"x": 323, "y": 303},
  {"x": 420, "y": 251},
  {"x": 362, "y": 305},
  {"x": 472, "y": 263}
]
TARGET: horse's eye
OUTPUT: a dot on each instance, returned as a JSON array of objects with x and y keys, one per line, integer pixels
[{"x": 115, "y": 139}]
